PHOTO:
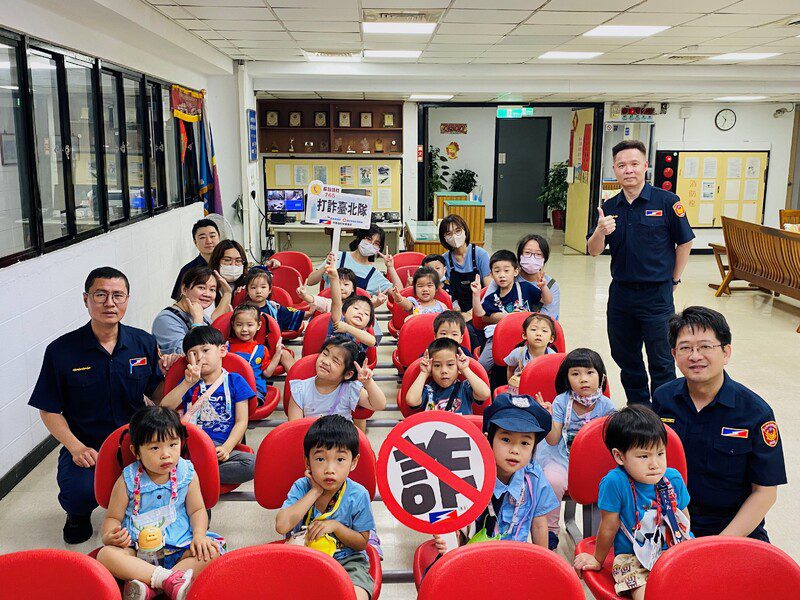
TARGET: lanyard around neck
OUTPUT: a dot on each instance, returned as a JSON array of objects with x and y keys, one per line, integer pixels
[
  {"x": 137, "y": 488},
  {"x": 336, "y": 501}
]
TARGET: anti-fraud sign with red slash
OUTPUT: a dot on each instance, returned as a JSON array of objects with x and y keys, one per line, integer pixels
[{"x": 436, "y": 472}]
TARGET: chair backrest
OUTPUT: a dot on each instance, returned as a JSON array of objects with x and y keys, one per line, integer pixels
[
  {"x": 471, "y": 572},
  {"x": 405, "y": 272},
  {"x": 288, "y": 279},
  {"x": 297, "y": 260},
  {"x": 317, "y": 332},
  {"x": 477, "y": 321},
  {"x": 412, "y": 372},
  {"x": 508, "y": 334},
  {"x": 701, "y": 568},
  {"x": 239, "y": 297},
  {"x": 278, "y": 294},
  {"x": 280, "y": 462},
  {"x": 399, "y": 315},
  {"x": 590, "y": 460},
  {"x": 231, "y": 362},
  {"x": 788, "y": 216},
  {"x": 223, "y": 324},
  {"x": 416, "y": 335},
  {"x": 48, "y": 573},
  {"x": 539, "y": 375},
  {"x": 326, "y": 293},
  {"x": 117, "y": 448},
  {"x": 272, "y": 571},
  {"x": 408, "y": 259}
]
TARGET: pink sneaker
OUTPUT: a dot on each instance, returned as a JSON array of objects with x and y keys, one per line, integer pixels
[
  {"x": 136, "y": 590},
  {"x": 176, "y": 586}
]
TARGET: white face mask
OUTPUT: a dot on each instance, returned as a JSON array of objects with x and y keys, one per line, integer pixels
[
  {"x": 531, "y": 264},
  {"x": 457, "y": 240},
  {"x": 231, "y": 273},
  {"x": 367, "y": 248}
]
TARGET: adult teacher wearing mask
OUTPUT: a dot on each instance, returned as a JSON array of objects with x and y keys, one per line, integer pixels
[
  {"x": 463, "y": 260},
  {"x": 650, "y": 239}
]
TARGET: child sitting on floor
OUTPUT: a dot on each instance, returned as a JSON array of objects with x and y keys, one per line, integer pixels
[
  {"x": 443, "y": 361},
  {"x": 216, "y": 401},
  {"x": 538, "y": 335},
  {"x": 423, "y": 302},
  {"x": 333, "y": 510},
  {"x": 246, "y": 321},
  {"x": 643, "y": 502},
  {"x": 160, "y": 494}
]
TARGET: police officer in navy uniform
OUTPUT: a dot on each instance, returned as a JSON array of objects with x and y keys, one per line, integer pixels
[
  {"x": 92, "y": 381},
  {"x": 650, "y": 239},
  {"x": 731, "y": 440}
]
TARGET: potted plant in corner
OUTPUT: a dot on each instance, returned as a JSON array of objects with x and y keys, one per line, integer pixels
[
  {"x": 553, "y": 194},
  {"x": 463, "y": 180}
]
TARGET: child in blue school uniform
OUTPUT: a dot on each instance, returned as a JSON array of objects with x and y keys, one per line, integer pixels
[
  {"x": 442, "y": 363},
  {"x": 511, "y": 296},
  {"x": 325, "y": 509},
  {"x": 538, "y": 336},
  {"x": 258, "y": 284},
  {"x": 643, "y": 502},
  {"x": 522, "y": 496},
  {"x": 159, "y": 491}
]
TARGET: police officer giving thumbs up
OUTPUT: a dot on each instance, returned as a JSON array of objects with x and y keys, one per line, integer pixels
[{"x": 650, "y": 239}]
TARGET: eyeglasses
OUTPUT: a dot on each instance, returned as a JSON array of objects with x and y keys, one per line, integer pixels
[
  {"x": 704, "y": 349},
  {"x": 101, "y": 296},
  {"x": 231, "y": 261},
  {"x": 533, "y": 255}
]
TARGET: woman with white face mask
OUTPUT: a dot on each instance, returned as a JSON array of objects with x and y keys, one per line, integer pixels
[
  {"x": 230, "y": 261},
  {"x": 532, "y": 253},
  {"x": 463, "y": 260}
]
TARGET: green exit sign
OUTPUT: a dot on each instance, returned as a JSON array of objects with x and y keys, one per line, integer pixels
[{"x": 514, "y": 112}]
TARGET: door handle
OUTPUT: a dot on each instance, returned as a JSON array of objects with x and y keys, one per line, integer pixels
[{"x": 501, "y": 175}]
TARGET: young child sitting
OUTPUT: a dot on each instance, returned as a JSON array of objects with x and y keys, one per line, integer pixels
[
  {"x": 423, "y": 302},
  {"x": 245, "y": 322},
  {"x": 522, "y": 497},
  {"x": 538, "y": 333},
  {"x": 510, "y": 296},
  {"x": 438, "y": 264},
  {"x": 339, "y": 386},
  {"x": 158, "y": 495},
  {"x": 216, "y": 401},
  {"x": 258, "y": 284},
  {"x": 352, "y": 316},
  {"x": 451, "y": 324},
  {"x": 579, "y": 384},
  {"x": 319, "y": 304},
  {"x": 333, "y": 509},
  {"x": 642, "y": 502},
  {"x": 443, "y": 361}
]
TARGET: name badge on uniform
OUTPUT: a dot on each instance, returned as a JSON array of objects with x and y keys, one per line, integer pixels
[
  {"x": 667, "y": 420},
  {"x": 653, "y": 213},
  {"x": 137, "y": 362},
  {"x": 735, "y": 433}
]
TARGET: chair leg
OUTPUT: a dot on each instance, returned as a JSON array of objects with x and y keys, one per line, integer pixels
[
  {"x": 573, "y": 531},
  {"x": 723, "y": 287},
  {"x": 591, "y": 520}
]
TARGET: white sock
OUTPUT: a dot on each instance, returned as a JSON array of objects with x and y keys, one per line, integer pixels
[{"x": 158, "y": 577}]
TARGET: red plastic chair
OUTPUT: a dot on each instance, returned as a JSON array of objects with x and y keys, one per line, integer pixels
[
  {"x": 589, "y": 462},
  {"x": 477, "y": 321},
  {"x": 413, "y": 372},
  {"x": 280, "y": 296},
  {"x": 471, "y": 572},
  {"x": 305, "y": 368},
  {"x": 272, "y": 571},
  {"x": 47, "y": 573},
  {"x": 239, "y": 297},
  {"x": 704, "y": 568},
  {"x": 408, "y": 259},
  {"x": 289, "y": 279},
  {"x": 280, "y": 462},
  {"x": 233, "y": 363},
  {"x": 399, "y": 315},
  {"x": 405, "y": 272},
  {"x": 326, "y": 293},
  {"x": 297, "y": 260},
  {"x": 416, "y": 337},
  {"x": 539, "y": 375},
  {"x": 317, "y": 333},
  {"x": 223, "y": 325},
  {"x": 508, "y": 334}
]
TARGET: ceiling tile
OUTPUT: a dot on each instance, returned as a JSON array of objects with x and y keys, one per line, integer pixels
[
  {"x": 265, "y": 44},
  {"x": 731, "y": 20},
  {"x": 457, "y": 47},
  {"x": 534, "y": 40},
  {"x": 486, "y": 16},
  {"x": 345, "y": 12},
  {"x": 632, "y": 18},
  {"x": 594, "y": 5},
  {"x": 193, "y": 24},
  {"x": 466, "y": 39},
  {"x": 333, "y": 26},
  {"x": 176, "y": 12},
  {"x": 242, "y": 25},
  {"x": 254, "y": 35},
  {"x": 221, "y": 43},
  {"x": 774, "y": 7},
  {"x": 443, "y": 54},
  {"x": 546, "y": 17},
  {"x": 326, "y": 38},
  {"x": 404, "y": 3},
  {"x": 475, "y": 28},
  {"x": 381, "y": 45},
  {"x": 514, "y": 50},
  {"x": 551, "y": 29},
  {"x": 682, "y": 6},
  {"x": 493, "y": 59},
  {"x": 445, "y": 60},
  {"x": 230, "y": 3},
  {"x": 208, "y": 35},
  {"x": 303, "y": 3},
  {"x": 379, "y": 38},
  {"x": 528, "y": 5},
  {"x": 245, "y": 14}
]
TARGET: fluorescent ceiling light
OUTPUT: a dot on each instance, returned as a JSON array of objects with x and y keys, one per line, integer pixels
[
  {"x": 8, "y": 87},
  {"x": 740, "y": 98},
  {"x": 323, "y": 57},
  {"x": 745, "y": 55},
  {"x": 423, "y": 97},
  {"x": 626, "y": 30},
  {"x": 555, "y": 54},
  {"x": 407, "y": 28},
  {"x": 392, "y": 53}
]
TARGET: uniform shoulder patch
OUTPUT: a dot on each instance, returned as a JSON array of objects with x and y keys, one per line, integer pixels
[
  {"x": 679, "y": 210},
  {"x": 769, "y": 431}
]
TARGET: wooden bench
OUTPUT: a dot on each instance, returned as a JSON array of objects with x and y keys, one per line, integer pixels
[{"x": 764, "y": 256}]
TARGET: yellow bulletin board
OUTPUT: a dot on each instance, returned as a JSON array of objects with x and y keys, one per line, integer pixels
[
  {"x": 379, "y": 176},
  {"x": 716, "y": 184}
]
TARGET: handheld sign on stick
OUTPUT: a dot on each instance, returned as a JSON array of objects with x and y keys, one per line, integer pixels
[{"x": 327, "y": 205}]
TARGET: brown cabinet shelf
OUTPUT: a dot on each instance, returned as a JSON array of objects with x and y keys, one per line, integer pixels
[
  {"x": 368, "y": 129},
  {"x": 294, "y": 128}
]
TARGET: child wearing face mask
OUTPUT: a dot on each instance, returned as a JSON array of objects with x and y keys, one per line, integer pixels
[{"x": 579, "y": 384}]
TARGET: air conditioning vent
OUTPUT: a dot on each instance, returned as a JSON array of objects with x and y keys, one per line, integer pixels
[
  {"x": 402, "y": 16},
  {"x": 687, "y": 57}
]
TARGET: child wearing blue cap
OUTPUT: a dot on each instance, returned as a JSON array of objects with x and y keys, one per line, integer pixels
[{"x": 522, "y": 497}]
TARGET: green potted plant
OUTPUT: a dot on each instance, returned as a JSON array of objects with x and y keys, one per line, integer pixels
[
  {"x": 463, "y": 180},
  {"x": 553, "y": 194},
  {"x": 437, "y": 176}
]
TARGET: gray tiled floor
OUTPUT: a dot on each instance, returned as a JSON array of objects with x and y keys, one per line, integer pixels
[{"x": 765, "y": 358}]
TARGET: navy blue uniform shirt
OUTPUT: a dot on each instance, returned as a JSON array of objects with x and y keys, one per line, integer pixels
[
  {"x": 94, "y": 390},
  {"x": 197, "y": 261},
  {"x": 730, "y": 444},
  {"x": 648, "y": 229}
]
